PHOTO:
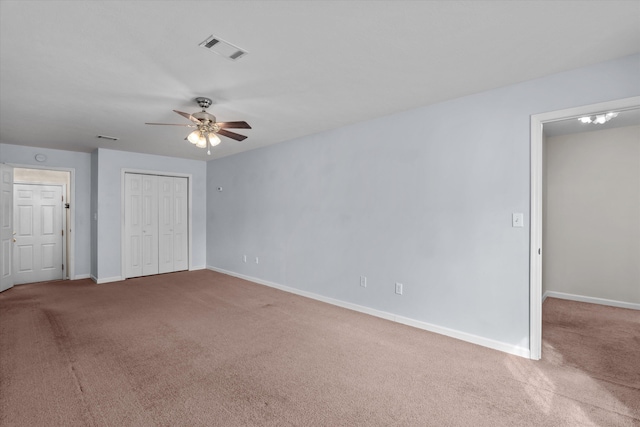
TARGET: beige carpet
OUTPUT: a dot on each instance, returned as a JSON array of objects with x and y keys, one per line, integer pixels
[{"x": 204, "y": 349}]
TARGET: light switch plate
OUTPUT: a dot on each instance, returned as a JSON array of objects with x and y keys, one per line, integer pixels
[{"x": 518, "y": 220}]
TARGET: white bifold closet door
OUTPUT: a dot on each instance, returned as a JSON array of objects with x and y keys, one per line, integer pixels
[
  {"x": 155, "y": 224},
  {"x": 172, "y": 218}
]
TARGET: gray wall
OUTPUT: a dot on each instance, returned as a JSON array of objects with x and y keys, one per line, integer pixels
[
  {"x": 81, "y": 164},
  {"x": 423, "y": 197},
  {"x": 109, "y": 176},
  {"x": 592, "y": 222}
]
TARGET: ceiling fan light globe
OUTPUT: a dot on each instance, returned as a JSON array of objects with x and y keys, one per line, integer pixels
[
  {"x": 202, "y": 142},
  {"x": 194, "y": 137},
  {"x": 213, "y": 139}
]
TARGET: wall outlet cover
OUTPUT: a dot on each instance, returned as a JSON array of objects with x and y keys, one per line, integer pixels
[
  {"x": 399, "y": 288},
  {"x": 517, "y": 220}
]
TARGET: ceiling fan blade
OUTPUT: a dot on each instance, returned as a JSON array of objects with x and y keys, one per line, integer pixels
[
  {"x": 188, "y": 116},
  {"x": 232, "y": 135},
  {"x": 170, "y": 124},
  {"x": 232, "y": 125}
]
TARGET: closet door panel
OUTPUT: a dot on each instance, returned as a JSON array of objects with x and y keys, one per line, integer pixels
[
  {"x": 149, "y": 224},
  {"x": 133, "y": 225},
  {"x": 165, "y": 220},
  {"x": 180, "y": 224}
]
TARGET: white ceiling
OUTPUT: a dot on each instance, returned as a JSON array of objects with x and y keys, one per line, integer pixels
[{"x": 71, "y": 70}]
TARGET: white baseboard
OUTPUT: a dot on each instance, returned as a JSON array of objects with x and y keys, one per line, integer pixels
[
  {"x": 474, "y": 339},
  {"x": 591, "y": 300},
  {"x": 106, "y": 280},
  {"x": 200, "y": 267},
  {"x": 81, "y": 276}
]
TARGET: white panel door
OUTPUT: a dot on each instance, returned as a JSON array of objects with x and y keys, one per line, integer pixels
[
  {"x": 165, "y": 224},
  {"x": 173, "y": 224},
  {"x": 149, "y": 225},
  {"x": 133, "y": 224},
  {"x": 37, "y": 214},
  {"x": 6, "y": 227},
  {"x": 155, "y": 225},
  {"x": 180, "y": 224},
  {"x": 141, "y": 225}
]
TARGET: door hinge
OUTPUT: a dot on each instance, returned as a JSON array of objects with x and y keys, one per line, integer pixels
[
  {"x": 63, "y": 266},
  {"x": 62, "y": 232}
]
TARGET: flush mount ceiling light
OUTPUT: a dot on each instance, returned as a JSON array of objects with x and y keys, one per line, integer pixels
[
  {"x": 207, "y": 129},
  {"x": 598, "y": 119}
]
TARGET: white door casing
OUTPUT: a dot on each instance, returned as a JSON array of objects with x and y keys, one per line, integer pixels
[
  {"x": 537, "y": 167},
  {"x": 68, "y": 213},
  {"x": 38, "y": 223},
  {"x": 6, "y": 227}
]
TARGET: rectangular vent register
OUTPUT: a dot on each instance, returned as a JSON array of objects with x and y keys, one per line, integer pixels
[{"x": 217, "y": 45}]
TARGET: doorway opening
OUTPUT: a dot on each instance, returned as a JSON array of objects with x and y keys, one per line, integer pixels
[
  {"x": 43, "y": 222},
  {"x": 537, "y": 193}
]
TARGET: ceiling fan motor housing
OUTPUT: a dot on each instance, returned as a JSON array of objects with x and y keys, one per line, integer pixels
[{"x": 203, "y": 116}]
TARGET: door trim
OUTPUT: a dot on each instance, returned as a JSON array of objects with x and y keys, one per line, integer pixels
[
  {"x": 535, "y": 254},
  {"x": 72, "y": 214},
  {"x": 189, "y": 177}
]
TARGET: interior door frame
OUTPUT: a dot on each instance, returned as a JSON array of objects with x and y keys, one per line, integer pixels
[
  {"x": 189, "y": 177},
  {"x": 537, "y": 171},
  {"x": 71, "y": 226}
]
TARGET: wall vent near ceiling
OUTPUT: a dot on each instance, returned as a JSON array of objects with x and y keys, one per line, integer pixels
[
  {"x": 110, "y": 138},
  {"x": 217, "y": 45}
]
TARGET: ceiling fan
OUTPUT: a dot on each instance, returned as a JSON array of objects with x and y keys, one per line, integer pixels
[{"x": 207, "y": 129}]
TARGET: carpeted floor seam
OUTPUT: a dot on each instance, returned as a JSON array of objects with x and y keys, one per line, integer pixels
[{"x": 62, "y": 340}]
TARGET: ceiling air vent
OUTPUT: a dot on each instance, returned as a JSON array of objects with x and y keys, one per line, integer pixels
[
  {"x": 222, "y": 48},
  {"x": 110, "y": 138}
]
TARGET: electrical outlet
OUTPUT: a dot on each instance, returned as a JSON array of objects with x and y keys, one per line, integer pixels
[
  {"x": 244, "y": 258},
  {"x": 363, "y": 281},
  {"x": 398, "y": 288},
  {"x": 257, "y": 260}
]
